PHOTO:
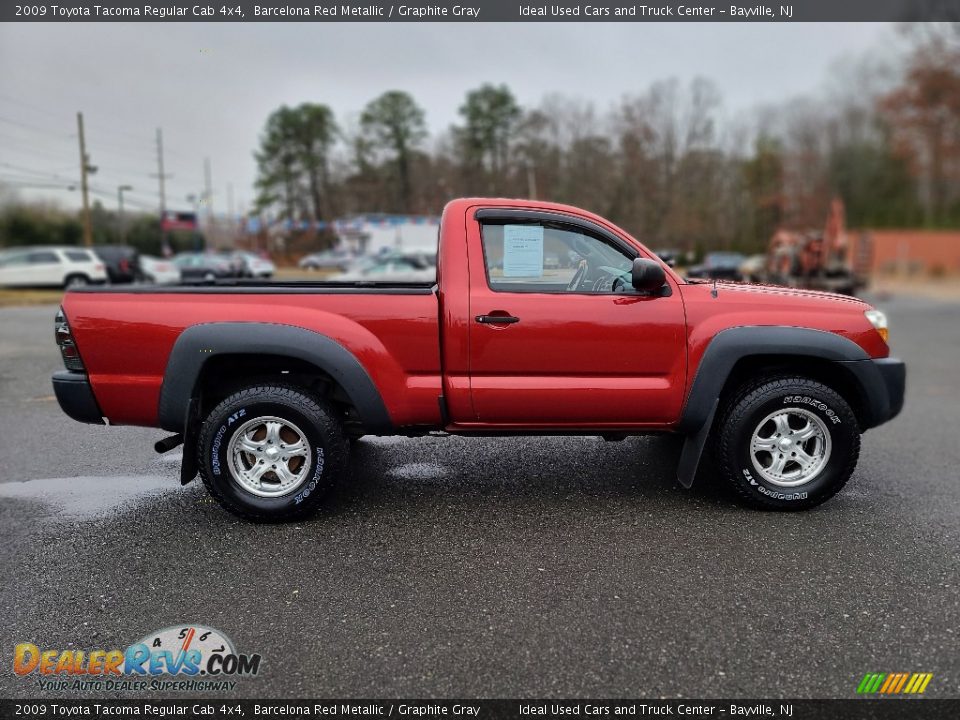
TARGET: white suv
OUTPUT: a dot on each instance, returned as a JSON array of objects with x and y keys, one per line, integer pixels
[{"x": 50, "y": 266}]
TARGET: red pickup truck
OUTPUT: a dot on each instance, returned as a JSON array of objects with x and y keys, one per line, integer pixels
[{"x": 544, "y": 319}]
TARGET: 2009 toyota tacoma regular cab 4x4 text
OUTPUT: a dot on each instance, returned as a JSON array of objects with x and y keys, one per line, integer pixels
[{"x": 544, "y": 319}]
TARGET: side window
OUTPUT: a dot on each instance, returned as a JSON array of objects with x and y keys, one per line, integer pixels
[
  {"x": 77, "y": 256},
  {"x": 42, "y": 257},
  {"x": 14, "y": 259},
  {"x": 547, "y": 258}
]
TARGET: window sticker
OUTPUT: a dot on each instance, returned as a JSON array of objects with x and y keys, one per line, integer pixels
[{"x": 522, "y": 251}]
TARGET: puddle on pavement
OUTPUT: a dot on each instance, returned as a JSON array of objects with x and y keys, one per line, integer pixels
[
  {"x": 171, "y": 458},
  {"x": 90, "y": 497},
  {"x": 384, "y": 439},
  {"x": 417, "y": 471}
]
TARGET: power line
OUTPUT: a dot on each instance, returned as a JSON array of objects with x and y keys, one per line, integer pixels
[
  {"x": 32, "y": 183},
  {"x": 21, "y": 103},
  {"x": 20, "y": 177},
  {"x": 33, "y": 128},
  {"x": 52, "y": 114},
  {"x": 131, "y": 201},
  {"x": 32, "y": 152},
  {"x": 32, "y": 171},
  {"x": 136, "y": 143}
]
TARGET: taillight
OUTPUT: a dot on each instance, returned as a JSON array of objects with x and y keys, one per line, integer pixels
[{"x": 64, "y": 338}]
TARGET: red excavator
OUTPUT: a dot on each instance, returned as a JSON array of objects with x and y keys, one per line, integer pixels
[{"x": 824, "y": 260}]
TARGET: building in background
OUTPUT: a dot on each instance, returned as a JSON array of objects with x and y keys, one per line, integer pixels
[
  {"x": 909, "y": 252},
  {"x": 377, "y": 233}
]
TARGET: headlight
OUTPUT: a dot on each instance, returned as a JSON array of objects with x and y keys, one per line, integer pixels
[{"x": 878, "y": 319}]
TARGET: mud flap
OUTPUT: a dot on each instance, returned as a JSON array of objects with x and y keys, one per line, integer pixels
[
  {"x": 693, "y": 449},
  {"x": 191, "y": 431}
]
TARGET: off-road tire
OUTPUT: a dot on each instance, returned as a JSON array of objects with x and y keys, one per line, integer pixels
[
  {"x": 739, "y": 418},
  {"x": 317, "y": 420}
]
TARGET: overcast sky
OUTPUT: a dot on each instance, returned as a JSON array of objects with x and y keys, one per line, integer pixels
[{"x": 211, "y": 86}]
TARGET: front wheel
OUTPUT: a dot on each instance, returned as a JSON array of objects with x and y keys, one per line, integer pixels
[
  {"x": 787, "y": 443},
  {"x": 271, "y": 452}
]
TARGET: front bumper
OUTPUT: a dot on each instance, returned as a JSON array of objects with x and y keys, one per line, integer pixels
[
  {"x": 882, "y": 385},
  {"x": 75, "y": 396}
]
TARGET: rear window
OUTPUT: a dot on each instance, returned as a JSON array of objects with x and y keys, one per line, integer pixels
[{"x": 78, "y": 255}]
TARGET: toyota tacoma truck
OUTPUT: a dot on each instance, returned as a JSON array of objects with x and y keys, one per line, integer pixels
[{"x": 543, "y": 319}]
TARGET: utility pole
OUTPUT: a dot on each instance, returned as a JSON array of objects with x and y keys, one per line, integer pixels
[
  {"x": 84, "y": 168},
  {"x": 163, "y": 197},
  {"x": 231, "y": 216},
  {"x": 208, "y": 200},
  {"x": 123, "y": 225},
  {"x": 208, "y": 190}
]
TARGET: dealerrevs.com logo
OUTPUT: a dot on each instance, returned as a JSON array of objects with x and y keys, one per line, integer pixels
[{"x": 179, "y": 658}]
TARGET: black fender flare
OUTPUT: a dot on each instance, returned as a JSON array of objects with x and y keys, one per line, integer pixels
[
  {"x": 199, "y": 343},
  {"x": 730, "y": 346}
]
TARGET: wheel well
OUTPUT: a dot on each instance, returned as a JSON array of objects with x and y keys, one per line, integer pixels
[
  {"x": 832, "y": 374},
  {"x": 223, "y": 375}
]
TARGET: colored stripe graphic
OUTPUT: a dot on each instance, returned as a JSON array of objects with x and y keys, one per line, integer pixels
[
  {"x": 903, "y": 679},
  {"x": 894, "y": 683}
]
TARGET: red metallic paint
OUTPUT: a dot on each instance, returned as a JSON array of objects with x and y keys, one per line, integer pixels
[{"x": 574, "y": 361}]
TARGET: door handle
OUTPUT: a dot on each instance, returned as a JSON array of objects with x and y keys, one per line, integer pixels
[{"x": 496, "y": 319}]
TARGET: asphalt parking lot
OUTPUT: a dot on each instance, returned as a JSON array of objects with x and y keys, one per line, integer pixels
[{"x": 447, "y": 567}]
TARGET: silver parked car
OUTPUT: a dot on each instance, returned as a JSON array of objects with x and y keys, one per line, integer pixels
[{"x": 338, "y": 259}]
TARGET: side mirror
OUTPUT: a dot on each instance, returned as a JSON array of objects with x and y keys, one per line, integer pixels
[{"x": 647, "y": 275}]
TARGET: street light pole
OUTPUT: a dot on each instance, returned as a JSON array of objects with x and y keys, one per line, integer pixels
[{"x": 123, "y": 226}]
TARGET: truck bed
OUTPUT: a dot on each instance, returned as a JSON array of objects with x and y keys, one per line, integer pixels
[{"x": 125, "y": 335}]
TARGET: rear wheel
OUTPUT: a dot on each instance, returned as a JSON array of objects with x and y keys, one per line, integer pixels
[
  {"x": 76, "y": 280},
  {"x": 787, "y": 443},
  {"x": 271, "y": 452}
]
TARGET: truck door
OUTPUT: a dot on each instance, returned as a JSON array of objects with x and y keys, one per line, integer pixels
[{"x": 558, "y": 336}]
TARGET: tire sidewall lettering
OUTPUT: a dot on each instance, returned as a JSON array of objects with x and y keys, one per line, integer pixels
[
  {"x": 215, "y": 450},
  {"x": 813, "y": 402},
  {"x": 218, "y": 440},
  {"x": 312, "y": 485},
  {"x": 836, "y": 424},
  {"x": 319, "y": 421},
  {"x": 761, "y": 486},
  {"x": 219, "y": 462}
]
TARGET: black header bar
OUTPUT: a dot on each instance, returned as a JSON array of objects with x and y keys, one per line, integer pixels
[{"x": 483, "y": 11}]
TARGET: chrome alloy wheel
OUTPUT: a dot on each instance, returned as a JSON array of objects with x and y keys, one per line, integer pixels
[
  {"x": 790, "y": 447},
  {"x": 269, "y": 456}
]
